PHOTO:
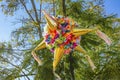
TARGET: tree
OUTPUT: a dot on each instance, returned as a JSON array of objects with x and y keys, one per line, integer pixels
[{"x": 88, "y": 14}]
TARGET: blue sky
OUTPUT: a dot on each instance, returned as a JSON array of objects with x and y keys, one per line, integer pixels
[
  {"x": 7, "y": 25},
  {"x": 112, "y": 6}
]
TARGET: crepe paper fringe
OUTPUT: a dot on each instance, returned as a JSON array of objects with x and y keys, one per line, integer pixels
[
  {"x": 36, "y": 58},
  {"x": 104, "y": 37},
  {"x": 90, "y": 62},
  {"x": 56, "y": 75}
]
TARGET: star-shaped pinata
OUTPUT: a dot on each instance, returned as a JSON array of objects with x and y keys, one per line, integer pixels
[{"x": 61, "y": 37}]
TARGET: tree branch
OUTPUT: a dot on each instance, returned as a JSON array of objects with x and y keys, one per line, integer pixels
[
  {"x": 27, "y": 10},
  {"x": 36, "y": 15},
  {"x": 40, "y": 9},
  {"x": 71, "y": 66},
  {"x": 25, "y": 75},
  {"x": 14, "y": 49},
  {"x": 63, "y": 8},
  {"x": 35, "y": 10},
  {"x": 53, "y": 7},
  {"x": 6, "y": 60}
]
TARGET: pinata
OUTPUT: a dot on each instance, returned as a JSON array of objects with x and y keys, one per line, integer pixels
[{"x": 61, "y": 36}]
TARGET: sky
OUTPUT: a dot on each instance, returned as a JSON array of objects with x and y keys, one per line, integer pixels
[
  {"x": 112, "y": 6},
  {"x": 7, "y": 22}
]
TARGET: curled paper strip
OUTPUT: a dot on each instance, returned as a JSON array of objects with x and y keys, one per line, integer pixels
[{"x": 104, "y": 37}]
